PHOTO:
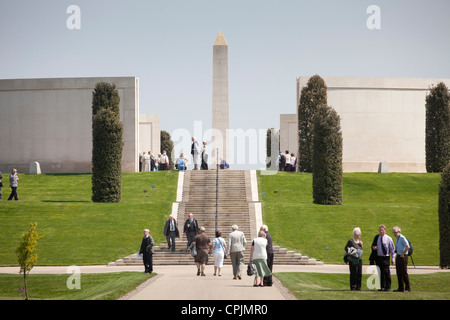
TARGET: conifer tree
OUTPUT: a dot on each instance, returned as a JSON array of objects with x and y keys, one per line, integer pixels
[
  {"x": 437, "y": 132},
  {"x": 313, "y": 95},
  {"x": 107, "y": 144}
]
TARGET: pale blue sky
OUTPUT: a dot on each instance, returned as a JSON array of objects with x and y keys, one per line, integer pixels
[{"x": 168, "y": 45}]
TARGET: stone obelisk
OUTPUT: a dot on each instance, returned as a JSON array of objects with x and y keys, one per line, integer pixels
[{"x": 220, "y": 103}]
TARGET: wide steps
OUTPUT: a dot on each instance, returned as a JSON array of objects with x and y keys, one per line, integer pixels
[{"x": 234, "y": 206}]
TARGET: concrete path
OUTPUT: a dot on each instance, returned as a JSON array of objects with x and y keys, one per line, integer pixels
[{"x": 182, "y": 283}]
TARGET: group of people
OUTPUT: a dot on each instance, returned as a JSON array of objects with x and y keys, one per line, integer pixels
[
  {"x": 261, "y": 253},
  {"x": 13, "y": 183},
  {"x": 383, "y": 253},
  {"x": 199, "y": 155},
  {"x": 287, "y": 161},
  {"x": 148, "y": 162}
]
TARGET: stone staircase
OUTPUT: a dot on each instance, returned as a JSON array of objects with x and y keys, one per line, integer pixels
[{"x": 236, "y": 205}]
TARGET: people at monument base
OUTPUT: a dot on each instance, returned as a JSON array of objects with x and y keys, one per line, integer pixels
[
  {"x": 164, "y": 161},
  {"x": 196, "y": 151},
  {"x": 204, "y": 165},
  {"x": 181, "y": 162}
]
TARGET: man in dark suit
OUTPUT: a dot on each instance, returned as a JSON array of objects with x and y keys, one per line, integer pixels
[
  {"x": 190, "y": 229},
  {"x": 171, "y": 232},
  {"x": 147, "y": 251}
]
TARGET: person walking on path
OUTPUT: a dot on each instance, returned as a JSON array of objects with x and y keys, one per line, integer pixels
[
  {"x": 203, "y": 244},
  {"x": 190, "y": 229},
  {"x": 268, "y": 279},
  {"x": 171, "y": 232},
  {"x": 146, "y": 250},
  {"x": 218, "y": 251},
  {"x": 13, "y": 183},
  {"x": 258, "y": 255},
  {"x": 383, "y": 247},
  {"x": 354, "y": 248},
  {"x": 235, "y": 250},
  {"x": 401, "y": 260}
]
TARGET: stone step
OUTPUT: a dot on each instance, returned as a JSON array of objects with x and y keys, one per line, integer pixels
[{"x": 235, "y": 206}]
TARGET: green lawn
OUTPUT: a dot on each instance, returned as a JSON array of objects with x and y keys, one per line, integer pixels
[
  {"x": 331, "y": 286},
  {"x": 76, "y": 230},
  {"x": 369, "y": 199},
  {"x": 95, "y": 286}
]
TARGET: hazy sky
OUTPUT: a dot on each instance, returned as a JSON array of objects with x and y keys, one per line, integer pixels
[{"x": 168, "y": 45}]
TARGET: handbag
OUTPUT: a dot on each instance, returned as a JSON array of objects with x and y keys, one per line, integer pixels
[
  {"x": 251, "y": 269},
  {"x": 194, "y": 251}
]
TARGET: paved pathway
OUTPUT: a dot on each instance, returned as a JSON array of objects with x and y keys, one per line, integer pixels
[{"x": 182, "y": 283}]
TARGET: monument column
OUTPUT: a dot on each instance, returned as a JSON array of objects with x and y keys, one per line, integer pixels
[{"x": 220, "y": 103}]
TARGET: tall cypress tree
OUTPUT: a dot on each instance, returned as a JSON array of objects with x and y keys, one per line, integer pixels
[
  {"x": 444, "y": 218},
  {"x": 437, "y": 130},
  {"x": 167, "y": 145},
  {"x": 327, "y": 157},
  {"x": 107, "y": 144},
  {"x": 313, "y": 95}
]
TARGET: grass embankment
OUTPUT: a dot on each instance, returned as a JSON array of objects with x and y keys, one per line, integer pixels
[
  {"x": 76, "y": 230},
  {"x": 369, "y": 199}
]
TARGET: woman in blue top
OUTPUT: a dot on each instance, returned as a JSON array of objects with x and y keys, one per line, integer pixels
[{"x": 218, "y": 250}]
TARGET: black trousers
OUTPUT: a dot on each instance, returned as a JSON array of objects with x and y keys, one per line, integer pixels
[
  {"x": 190, "y": 237},
  {"x": 355, "y": 275},
  {"x": 401, "y": 266},
  {"x": 13, "y": 194},
  {"x": 147, "y": 258},
  {"x": 385, "y": 274}
]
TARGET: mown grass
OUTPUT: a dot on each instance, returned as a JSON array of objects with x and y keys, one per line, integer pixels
[
  {"x": 76, "y": 230},
  {"x": 96, "y": 286},
  {"x": 331, "y": 286},
  {"x": 369, "y": 199}
]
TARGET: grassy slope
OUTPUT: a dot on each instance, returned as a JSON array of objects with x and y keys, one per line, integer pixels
[
  {"x": 78, "y": 231},
  {"x": 369, "y": 199}
]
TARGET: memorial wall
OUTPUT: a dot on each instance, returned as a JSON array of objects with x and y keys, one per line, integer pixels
[
  {"x": 49, "y": 121},
  {"x": 382, "y": 121}
]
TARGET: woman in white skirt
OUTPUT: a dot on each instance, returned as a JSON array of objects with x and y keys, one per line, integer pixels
[
  {"x": 218, "y": 250},
  {"x": 258, "y": 255}
]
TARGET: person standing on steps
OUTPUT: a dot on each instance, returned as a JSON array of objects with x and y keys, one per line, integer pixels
[
  {"x": 190, "y": 229},
  {"x": 146, "y": 250},
  {"x": 235, "y": 250},
  {"x": 196, "y": 151},
  {"x": 171, "y": 232},
  {"x": 204, "y": 165}
]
